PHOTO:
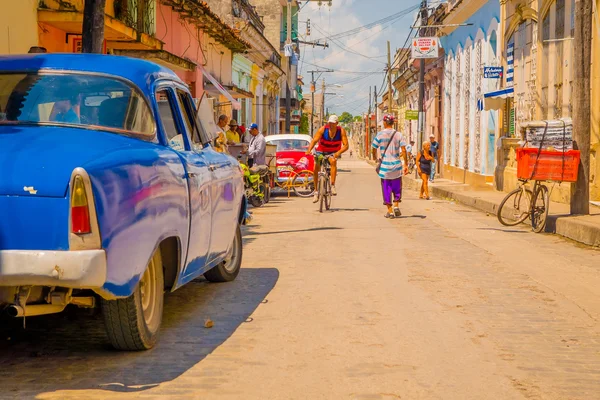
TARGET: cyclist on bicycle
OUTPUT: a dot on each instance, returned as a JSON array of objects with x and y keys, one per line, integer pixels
[{"x": 332, "y": 142}]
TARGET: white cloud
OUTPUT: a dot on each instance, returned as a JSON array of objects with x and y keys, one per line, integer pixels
[{"x": 343, "y": 16}]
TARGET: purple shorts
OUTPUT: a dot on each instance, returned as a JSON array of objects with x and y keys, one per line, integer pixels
[{"x": 391, "y": 187}]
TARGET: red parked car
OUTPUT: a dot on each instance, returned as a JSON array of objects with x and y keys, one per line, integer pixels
[{"x": 291, "y": 151}]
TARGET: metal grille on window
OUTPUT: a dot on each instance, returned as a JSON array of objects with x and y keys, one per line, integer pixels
[
  {"x": 137, "y": 14},
  {"x": 558, "y": 81},
  {"x": 458, "y": 76},
  {"x": 467, "y": 99},
  {"x": 478, "y": 94},
  {"x": 546, "y": 63},
  {"x": 532, "y": 88}
]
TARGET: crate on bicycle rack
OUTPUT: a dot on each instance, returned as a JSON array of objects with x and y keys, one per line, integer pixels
[{"x": 551, "y": 165}]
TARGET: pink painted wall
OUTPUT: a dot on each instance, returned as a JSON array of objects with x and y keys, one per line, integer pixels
[{"x": 182, "y": 39}]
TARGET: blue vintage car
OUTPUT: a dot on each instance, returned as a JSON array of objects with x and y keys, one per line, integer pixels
[{"x": 110, "y": 191}]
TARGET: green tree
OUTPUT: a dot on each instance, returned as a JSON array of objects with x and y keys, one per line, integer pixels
[
  {"x": 358, "y": 118},
  {"x": 346, "y": 117},
  {"x": 304, "y": 124}
]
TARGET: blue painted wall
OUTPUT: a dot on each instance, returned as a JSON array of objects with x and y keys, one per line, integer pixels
[{"x": 480, "y": 20}]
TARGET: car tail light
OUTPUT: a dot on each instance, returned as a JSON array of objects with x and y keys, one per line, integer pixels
[{"x": 80, "y": 211}]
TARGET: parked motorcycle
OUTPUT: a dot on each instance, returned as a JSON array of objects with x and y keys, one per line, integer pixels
[{"x": 257, "y": 184}]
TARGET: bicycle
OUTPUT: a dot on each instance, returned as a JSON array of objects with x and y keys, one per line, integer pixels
[
  {"x": 324, "y": 184},
  {"x": 525, "y": 203},
  {"x": 300, "y": 182}
]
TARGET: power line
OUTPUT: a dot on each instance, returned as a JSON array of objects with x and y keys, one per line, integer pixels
[
  {"x": 341, "y": 46},
  {"x": 389, "y": 18}
]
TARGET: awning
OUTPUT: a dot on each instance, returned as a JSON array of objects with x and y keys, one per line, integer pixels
[
  {"x": 234, "y": 103},
  {"x": 496, "y": 100}
]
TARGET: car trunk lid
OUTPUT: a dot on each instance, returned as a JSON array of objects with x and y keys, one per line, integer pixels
[{"x": 38, "y": 160}]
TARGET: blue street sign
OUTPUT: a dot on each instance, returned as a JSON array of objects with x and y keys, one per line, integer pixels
[{"x": 493, "y": 72}]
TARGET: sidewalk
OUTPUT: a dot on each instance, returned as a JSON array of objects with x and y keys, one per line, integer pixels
[{"x": 582, "y": 229}]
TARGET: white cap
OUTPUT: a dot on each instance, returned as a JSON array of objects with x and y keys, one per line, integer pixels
[{"x": 333, "y": 119}]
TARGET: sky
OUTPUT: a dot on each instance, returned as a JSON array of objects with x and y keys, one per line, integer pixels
[{"x": 371, "y": 44}]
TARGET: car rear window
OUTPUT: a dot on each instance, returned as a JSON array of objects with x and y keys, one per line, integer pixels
[
  {"x": 73, "y": 99},
  {"x": 291, "y": 144}
]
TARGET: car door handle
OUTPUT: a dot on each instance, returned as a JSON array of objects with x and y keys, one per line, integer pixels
[
  {"x": 212, "y": 168},
  {"x": 191, "y": 175}
]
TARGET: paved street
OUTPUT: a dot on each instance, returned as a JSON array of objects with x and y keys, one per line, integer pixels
[{"x": 441, "y": 304}]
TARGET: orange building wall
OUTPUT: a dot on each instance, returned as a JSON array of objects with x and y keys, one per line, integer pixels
[{"x": 183, "y": 40}]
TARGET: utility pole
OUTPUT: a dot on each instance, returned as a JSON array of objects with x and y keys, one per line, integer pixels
[
  {"x": 580, "y": 190},
  {"x": 422, "y": 33},
  {"x": 372, "y": 131},
  {"x": 323, "y": 104},
  {"x": 389, "y": 54},
  {"x": 93, "y": 26},
  {"x": 288, "y": 92},
  {"x": 313, "y": 85},
  {"x": 368, "y": 128}
]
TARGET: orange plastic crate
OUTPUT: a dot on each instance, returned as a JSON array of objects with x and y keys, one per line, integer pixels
[{"x": 550, "y": 165}]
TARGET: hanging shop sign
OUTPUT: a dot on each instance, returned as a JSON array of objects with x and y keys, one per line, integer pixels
[
  {"x": 411, "y": 115},
  {"x": 493, "y": 72},
  {"x": 425, "y": 47}
]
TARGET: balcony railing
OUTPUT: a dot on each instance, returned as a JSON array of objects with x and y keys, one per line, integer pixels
[
  {"x": 137, "y": 14},
  {"x": 276, "y": 59},
  {"x": 295, "y": 103},
  {"x": 244, "y": 10}
]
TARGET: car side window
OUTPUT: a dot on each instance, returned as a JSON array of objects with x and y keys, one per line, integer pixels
[
  {"x": 166, "y": 110},
  {"x": 199, "y": 135},
  {"x": 187, "y": 117}
]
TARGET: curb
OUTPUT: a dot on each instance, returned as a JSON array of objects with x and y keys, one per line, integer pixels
[{"x": 572, "y": 227}]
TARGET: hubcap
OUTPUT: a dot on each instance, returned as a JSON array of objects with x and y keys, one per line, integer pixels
[
  {"x": 148, "y": 291},
  {"x": 232, "y": 259}
]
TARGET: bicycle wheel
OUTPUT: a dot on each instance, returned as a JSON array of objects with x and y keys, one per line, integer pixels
[
  {"x": 328, "y": 195},
  {"x": 539, "y": 210},
  {"x": 322, "y": 192},
  {"x": 515, "y": 208},
  {"x": 303, "y": 184}
]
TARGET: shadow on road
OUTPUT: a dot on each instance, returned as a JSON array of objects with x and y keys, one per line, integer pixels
[
  {"x": 70, "y": 351},
  {"x": 412, "y": 216},
  {"x": 250, "y": 232},
  {"x": 502, "y": 230},
  {"x": 348, "y": 209}
]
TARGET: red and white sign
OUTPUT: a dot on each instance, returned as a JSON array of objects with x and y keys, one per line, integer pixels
[{"x": 425, "y": 47}]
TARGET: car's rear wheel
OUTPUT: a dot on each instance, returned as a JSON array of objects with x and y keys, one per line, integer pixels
[
  {"x": 133, "y": 323},
  {"x": 229, "y": 269}
]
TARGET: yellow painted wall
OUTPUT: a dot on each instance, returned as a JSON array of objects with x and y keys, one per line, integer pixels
[
  {"x": 595, "y": 134},
  {"x": 18, "y": 26},
  {"x": 254, "y": 83}
]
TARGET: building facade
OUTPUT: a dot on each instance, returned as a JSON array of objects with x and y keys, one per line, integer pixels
[
  {"x": 537, "y": 48},
  {"x": 469, "y": 130}
]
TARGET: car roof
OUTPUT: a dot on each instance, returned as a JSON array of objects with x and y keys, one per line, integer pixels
[
  {"x": 285, "y": 136},
  {"x": 141, "y": 72}
]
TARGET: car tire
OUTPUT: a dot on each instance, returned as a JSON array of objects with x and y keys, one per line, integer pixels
[
  {"x": 133, "y": 323},
  {"x": 229, "y": 269}
]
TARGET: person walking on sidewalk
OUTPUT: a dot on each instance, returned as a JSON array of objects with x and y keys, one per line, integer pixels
[
  {"x": 424, "y": 166},
  {"x": 435, "y": 150},
  {"x": 389, "y": 148}
]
